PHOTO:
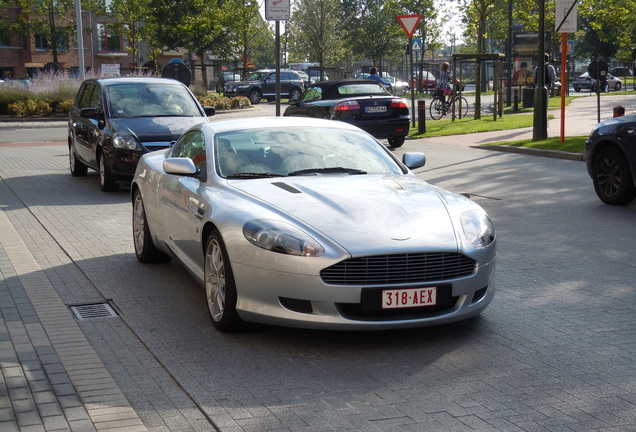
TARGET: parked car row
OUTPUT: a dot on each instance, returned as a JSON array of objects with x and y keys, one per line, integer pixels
[{"x": 262, "y": 85}]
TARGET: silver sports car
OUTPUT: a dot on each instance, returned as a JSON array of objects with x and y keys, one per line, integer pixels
[{"x": 311, "y": 223}]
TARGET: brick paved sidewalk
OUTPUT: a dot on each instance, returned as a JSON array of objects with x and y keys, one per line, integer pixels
[{"x": 51, "y": 378}]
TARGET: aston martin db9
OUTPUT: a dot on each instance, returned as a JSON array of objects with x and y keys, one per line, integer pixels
[{"x": 311, "y": 223}]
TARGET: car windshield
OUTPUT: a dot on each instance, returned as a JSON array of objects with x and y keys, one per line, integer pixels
[
  {"x": 300, "y": 152},
  {"x": 362, "y": 89},
  {"x": 151, "y": 100}
]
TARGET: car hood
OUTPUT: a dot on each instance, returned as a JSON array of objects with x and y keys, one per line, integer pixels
[
  {"x": 363, "y": 213},
  {"x": 155, "y": 129}
]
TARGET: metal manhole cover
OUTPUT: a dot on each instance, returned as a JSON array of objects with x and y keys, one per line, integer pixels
[{"x": 93, "y": 311}]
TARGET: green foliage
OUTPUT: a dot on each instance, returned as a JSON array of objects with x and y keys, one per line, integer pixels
[
  {"x": 221, "y": 102},
  {"x": 63, "y": 107},
  {"x": 29, "y": 108}
]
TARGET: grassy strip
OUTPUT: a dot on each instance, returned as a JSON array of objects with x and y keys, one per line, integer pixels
[
  {"x": 569, "y": 144},
  {"x": 447, "y": 126}
]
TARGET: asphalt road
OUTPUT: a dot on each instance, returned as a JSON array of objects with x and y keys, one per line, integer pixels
[{"x": 555, "y": 351}]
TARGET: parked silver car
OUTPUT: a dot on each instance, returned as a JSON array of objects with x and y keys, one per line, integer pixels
[
  {"x": 584, "y": 81},
  {"x": 312, "y": 223}
]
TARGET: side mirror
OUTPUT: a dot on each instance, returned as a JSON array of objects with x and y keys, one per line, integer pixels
[
  {"x": 414, "y": 160},
  {"x": 89, "y": 113},
  {"x": 209, "y": 110},
  {"x": 181, "y": 166}
]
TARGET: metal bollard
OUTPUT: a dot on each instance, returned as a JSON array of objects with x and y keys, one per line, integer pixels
[
  {"x": 421, "y": 116},
  {"x": 516, "y": 100},
  {"x": 619, "y": 111}
]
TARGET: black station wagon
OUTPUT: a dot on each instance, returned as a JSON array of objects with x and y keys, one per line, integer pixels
[{"x": 114, "y": 121}]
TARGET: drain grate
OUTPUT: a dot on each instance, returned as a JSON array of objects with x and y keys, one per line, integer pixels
[{"x": 93, "y": 311}]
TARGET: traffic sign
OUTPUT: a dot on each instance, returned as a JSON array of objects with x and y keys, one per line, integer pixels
[
  {"x": 409, "y": 23},
  {"x": 565, "y": 16},
  {"x": 416, "y": 44}
]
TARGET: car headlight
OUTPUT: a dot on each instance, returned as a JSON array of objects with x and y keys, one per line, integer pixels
[
  {"x": 281, "y": 237},
  {"x": 125, "y": 141},
  {"x": 478, "y": 228},
  {"x": 243, "y": 87}
]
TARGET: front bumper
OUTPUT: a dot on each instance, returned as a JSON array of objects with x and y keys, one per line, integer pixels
[
  {"x": 302, "y": 301},
  {"x": 387, "y": 128}
]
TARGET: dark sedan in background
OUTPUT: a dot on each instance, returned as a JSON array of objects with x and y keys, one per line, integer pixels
[
  {"x": 114, "y": 121},
  {"x": 610, "y": 154},
  {"x": 363, "y": 103}
]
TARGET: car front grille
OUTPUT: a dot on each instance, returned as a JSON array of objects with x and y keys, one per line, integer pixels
[
  {"x": 397, "y": 269},
  {"x": 153, "y": 146}
]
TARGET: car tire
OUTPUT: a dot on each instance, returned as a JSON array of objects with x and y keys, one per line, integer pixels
[
  {"x": 106, "y": 181},
  {"x": 78, "y": 169},
  {"x": 145, "y": 248},
  {"x": 255, "y": 96},
  {"x": 577, "y": 89},
  {"x": 295, "y": 94},
  {"x": 617, "y": 86},
  {"x": 220, "y": 289},
  {"x": 612, "y": 177},
  {"x": 396, "y": 142}
]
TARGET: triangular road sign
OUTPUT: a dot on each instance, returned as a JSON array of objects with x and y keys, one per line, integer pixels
[{"x": 409, "y": 23}]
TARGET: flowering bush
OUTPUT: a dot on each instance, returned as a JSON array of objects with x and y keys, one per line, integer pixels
[
  {"x": 220, "y": 102},
  {"x": 30, "y": 107},
  {"x": 55, "y": 91}
]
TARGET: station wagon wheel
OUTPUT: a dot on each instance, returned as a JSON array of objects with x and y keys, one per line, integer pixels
[
  {"x": 106, "y": 181},
  {"x": 145, "y": 249},
  {"x": 612, "y": 178},
  {"x": 78, "y": 169},
  {"x": 396, "y": 142},
  {"x": 294, "y": 94},
  {"x": 255, "y": 96},
  {"x": 220, "y": 290}
]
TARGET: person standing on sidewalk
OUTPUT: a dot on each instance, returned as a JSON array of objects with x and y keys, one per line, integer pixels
[{"x": 550, "y": 74}]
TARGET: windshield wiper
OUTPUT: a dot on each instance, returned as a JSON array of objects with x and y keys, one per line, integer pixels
[
  {"x": 330, "y": 170},
  {"x": 254, "y": 175}
]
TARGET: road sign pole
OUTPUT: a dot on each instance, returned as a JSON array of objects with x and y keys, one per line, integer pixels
[{"x": 564, "y": 81}]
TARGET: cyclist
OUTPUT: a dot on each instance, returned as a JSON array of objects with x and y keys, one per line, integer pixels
[{"x": 444, "y": 82}]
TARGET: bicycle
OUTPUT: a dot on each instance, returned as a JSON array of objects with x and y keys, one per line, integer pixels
[{"x": 439, "y": 107}]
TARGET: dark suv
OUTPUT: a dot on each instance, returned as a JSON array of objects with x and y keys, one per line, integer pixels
[
  {"x": 114, "y": 121},
  {"x": 262, "y": 84},
  {"x": 610, "y": 154}
]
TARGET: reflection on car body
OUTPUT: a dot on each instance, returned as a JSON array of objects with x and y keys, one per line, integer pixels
[{"x": 311, "y": 223}]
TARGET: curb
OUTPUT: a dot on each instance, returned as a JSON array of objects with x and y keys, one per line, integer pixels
[{"x": 532, "y": 151}]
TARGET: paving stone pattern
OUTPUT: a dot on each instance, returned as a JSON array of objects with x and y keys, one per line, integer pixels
[{"x": 555, "y": 351}]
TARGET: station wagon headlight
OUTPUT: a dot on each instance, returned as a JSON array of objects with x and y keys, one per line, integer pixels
[
  {"x": 281, "y": 237},
  {"x": 125, "y": 141},
  {"x": 478, "y": 228}
]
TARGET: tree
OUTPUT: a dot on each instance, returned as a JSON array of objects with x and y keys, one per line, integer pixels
[
  {"x": 606, "y": 30},
  {"x": 317, "y": 32},
  {"x": 48, "y": 20}
]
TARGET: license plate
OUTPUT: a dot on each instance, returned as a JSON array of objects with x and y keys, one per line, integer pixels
[
  {"x": 375, "y": 109},
  {"x": 412, "y": 297}
]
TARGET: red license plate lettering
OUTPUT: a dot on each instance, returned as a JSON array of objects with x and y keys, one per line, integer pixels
[{"x": 411, "y": 297}]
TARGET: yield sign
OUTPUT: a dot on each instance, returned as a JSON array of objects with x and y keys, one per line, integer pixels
[{"x": 409, "y": 23}]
